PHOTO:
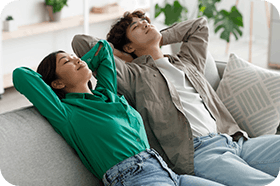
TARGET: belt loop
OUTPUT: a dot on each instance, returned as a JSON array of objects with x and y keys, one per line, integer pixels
[{"x": 104, "y": 179}]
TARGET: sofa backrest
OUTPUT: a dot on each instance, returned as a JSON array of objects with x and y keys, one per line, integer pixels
[
  {"x": 32, "y": 153},
  {"x": 211, "y": 71}
]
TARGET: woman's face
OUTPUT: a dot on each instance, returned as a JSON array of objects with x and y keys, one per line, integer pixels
[{"x": 72, "y": 71}]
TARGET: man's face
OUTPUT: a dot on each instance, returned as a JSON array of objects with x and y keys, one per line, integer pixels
[{"x": 142, "y": 34}]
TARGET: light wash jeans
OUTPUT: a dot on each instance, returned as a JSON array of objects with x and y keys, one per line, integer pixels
[
  {"x": 148, "y": 169},
  {"x": 254, "y": 162}
]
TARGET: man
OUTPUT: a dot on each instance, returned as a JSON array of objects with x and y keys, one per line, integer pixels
[{"x": 185, "y": 120}]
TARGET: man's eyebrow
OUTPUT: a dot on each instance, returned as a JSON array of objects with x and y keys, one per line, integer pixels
[
  {"x": 132, "y": 24},
  {"x": 135, "y": 22}
]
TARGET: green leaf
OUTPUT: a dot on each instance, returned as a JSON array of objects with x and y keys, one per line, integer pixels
[
  {"x": 56, "y": 4},
  {"x": 207, "y": 8},
  {"x": 158, "y": 10},
  {"x": 172, "y": 13},
  {"x": 230, "y": 22}
]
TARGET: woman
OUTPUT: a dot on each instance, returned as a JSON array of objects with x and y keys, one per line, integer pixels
[{"x": 107, "y": 133}]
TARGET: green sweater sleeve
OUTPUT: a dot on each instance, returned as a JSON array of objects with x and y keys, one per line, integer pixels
[
  {"x": 104, "y": 65},
  {"x": 31, "y": 85}
]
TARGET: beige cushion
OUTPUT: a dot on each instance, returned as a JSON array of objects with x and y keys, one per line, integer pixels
[{"x": 252, "y": 96}]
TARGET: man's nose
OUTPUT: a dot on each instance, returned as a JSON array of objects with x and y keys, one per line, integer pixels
[{"x": 144, "y": 24}]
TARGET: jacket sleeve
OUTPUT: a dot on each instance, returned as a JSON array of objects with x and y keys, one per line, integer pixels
[
  {"x": 31, "y": 85},
  {"x": 194, "y": 37},
  {"x": 103, "y": 64}
]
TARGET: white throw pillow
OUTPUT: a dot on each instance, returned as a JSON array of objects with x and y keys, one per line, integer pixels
[{"x": 252, "y": 96}]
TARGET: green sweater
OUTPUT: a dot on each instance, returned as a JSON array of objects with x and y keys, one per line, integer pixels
[{"x": 103, "y": 128}]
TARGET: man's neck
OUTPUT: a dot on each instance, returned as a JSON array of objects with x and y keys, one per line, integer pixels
[{"x": 155, "y": 52}]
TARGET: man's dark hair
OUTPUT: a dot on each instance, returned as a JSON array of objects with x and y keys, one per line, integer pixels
[{"x": 117, "y": 34}]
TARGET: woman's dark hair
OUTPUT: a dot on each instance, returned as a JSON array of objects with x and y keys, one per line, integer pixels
[
  {"x": 47, "y": 69},
  {"x": 117, "y": 34}
]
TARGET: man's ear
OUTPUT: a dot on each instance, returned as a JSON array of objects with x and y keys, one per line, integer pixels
[
  {"x": 57, "y": 84},
  {"x": 128, "y": 48}
]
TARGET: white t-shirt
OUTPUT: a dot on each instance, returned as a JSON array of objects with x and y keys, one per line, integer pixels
[{"x": 198, "y": 116}]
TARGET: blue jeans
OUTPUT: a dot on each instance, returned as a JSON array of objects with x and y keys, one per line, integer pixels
[
  {"x": 248, "y": 163},
  {"x": 148, "y": 169}
]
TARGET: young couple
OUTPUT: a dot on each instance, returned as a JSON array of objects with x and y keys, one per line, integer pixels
[{"x": 185, "y": 121}]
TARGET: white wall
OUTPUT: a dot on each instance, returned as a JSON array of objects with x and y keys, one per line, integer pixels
[
  {"x": 1, "y": 68},
  {"x": 29, "y": 51},
  {"x": 260, "y": 28}
]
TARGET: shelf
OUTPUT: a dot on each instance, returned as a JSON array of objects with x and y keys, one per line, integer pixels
[
  {"x": 39, "y": 28},
  {"x": 69, "y": 22},
  {"x": 44, "y": 27}
]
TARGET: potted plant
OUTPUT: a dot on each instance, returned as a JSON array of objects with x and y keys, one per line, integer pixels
[
  {"x": 229, "y": 22},
  {"x": 9, "y": 24},
  {"x": 173, "y": 13},
  {"x": 54, "y": 8}
]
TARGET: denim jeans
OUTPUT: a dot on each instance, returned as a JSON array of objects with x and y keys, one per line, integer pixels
[
  {"x": 253, "y": 162},
  {"x": 148, "y": 169}
]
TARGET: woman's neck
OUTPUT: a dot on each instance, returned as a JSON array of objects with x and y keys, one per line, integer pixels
[{"x": 83, "y": 89}]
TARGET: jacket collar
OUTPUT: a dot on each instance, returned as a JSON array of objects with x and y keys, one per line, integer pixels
[{"x": 148, "y": 60}]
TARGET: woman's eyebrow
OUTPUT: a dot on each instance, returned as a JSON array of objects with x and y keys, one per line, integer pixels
[{"x": 61, "y": 58}]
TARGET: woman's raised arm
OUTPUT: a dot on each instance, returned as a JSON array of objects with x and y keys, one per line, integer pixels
[{"x": 31, "y": 85}]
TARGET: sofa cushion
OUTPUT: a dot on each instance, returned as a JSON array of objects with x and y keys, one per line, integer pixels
[
  {"x": 32, "y": 153},
  {"x": 252, "y": 96},
  {"x": 211, "y": 71}
]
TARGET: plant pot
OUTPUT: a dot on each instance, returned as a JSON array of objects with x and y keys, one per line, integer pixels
[
  {"x": 54, "y": 17},
  {"x": 10, "y": 25}
]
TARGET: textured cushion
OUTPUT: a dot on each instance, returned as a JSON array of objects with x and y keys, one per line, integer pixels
[
  {"x": 252, "y": 96},
  {"x": 32, "y": 153}
]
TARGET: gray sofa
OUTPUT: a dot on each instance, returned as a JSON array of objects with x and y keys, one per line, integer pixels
[{"x": 32, "y": 153}]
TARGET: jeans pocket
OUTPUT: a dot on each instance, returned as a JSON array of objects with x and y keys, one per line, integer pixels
[
  {"x": 128, "y": 176},
  {"x": 124, "y": 177},
  {"x": 197, "y": 143}
]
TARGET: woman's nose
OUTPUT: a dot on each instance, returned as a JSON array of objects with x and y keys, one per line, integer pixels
[{"x": 77, "y": 61}]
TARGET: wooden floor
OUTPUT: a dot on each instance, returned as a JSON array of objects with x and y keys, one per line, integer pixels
[{"x": 11, "y": 99}]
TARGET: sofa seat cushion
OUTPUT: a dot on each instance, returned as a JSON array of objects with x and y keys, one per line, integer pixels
[
  {"x": 32, "y": 153},
  {"x": 252, "y": 96}
]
